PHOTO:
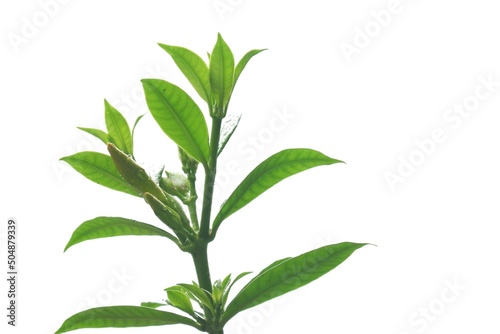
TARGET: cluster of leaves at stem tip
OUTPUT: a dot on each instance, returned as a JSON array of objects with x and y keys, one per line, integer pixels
[{"x": 172, "y": 197}]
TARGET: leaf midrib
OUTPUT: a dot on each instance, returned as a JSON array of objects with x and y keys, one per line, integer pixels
[
  {"x": 202, "y": 83},
  {"x": 117, "y": 178},
  {"x": 111, "y": 225},
  {"x": 118, "y": 130},
  {"x": 250, "y": 301},
  {"x": 183, "y": 126},
  {"x": 258, "y": 175}
]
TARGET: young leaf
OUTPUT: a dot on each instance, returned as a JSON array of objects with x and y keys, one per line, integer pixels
[
  {"x": 243, "y": 62},
  {"x": 153, "y": 304},
  {"x": 178, "y": 116},
  {"x": 180, "y": 300},
  {"x": 135, "y": 125},
  {"x": 193, "y": 68},
  {"x": 221, "y": 71},
  {"x": 123, "y": 316},
  {"x": 230, "y": 124},
  {"x": 225, "y": 282},
  {"x": 202, "y": 296},
  {"x": 217, "y": 292},
  {"x": 289, "y": 275},
  {"x": 100, "y": 169},
  {"x": 104, "y": 227},
  {"x": 118, "y": 128},
  {"x": 273, "y": 170},
  {"x": 103, "y": 136},
  {"x": 228, "y": 290}
]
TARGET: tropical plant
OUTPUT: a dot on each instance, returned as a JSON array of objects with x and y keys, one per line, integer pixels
[{"x": 203, "y": 305}]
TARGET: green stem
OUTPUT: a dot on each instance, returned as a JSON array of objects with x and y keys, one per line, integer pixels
[
  {"x": 210, "y": 179},
  {"x": 200, "y": 259},
  {"x": 200, "y": 254},
  {"x": 193, "y": 197}
]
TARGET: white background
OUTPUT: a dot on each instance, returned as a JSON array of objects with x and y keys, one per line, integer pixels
[{"x": 438, "y": 226}]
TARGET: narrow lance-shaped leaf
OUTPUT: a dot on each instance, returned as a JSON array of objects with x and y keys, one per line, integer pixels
[
  {"x": 178, "y": 116},
  {"x": 289, "y": 275},
  {"x": 228, "y": 128},
  {"x": 221, "y": 71},
  {"x": 273, "y": 170},
  {"x": 153, "y": 304},
  {"x": 103, "y": 136},
  {"x": 135, "y": 125},
  {"x": 123, "y": 316},
  {"x": 118, "y": 128},
  {"x": 225, "y": 281},
  {"x": 202, "y": 296},
  {"x": 228, "y": 289},
  {"x": 243, "y": 62},
  {"x": 100, "y": 169},
  {"x": 193, "y": 68},
  {"x": 104, "y": 227},
  {"x": 272, "y": 265},
  {"x": 180, "y": 300}
]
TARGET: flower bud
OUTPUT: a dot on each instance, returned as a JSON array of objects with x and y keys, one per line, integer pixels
[
  {"x": 175, "y": 184},
  {"x": 189, "y": 165}
]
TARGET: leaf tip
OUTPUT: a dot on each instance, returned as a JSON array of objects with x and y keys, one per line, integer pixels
[
  {"x": 164, "y": 47},
  {"x": 67, "y": 247},
  {"x": 146, "y": 82}
]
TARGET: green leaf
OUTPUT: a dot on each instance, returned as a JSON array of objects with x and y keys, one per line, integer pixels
[
  {"x": 193, "y": 68},
  {"x": 103, "y": 136},
  {"x": 104, "y": 227},
  {"x": 180, "y": 300},
  {"x": 178, "y": 116},
  {"x": 135, "y": 125},
  {"x": 289, "y": 275},
  {"x": 230, "y": 124},
  {"x": 202, "y": 295},
  {"x": 100, "y": 169},
  {"x": 217, "y": 292},
  {"x": 118, "y": 128},
  {"x": 221, "y": 71},
  {"x": 225, "y": 282},
  {"x": 152, "y": 304},
  {"x": 272, "y": 265},
  {"x": 243, "y": 62},
  {"x": 273, "y": 170},
  {"x": 123, "y": 316},
  {"x": 228, "y": 290}
]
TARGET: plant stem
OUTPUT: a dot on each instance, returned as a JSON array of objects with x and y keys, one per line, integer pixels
[
  {"x": 193, "y": 196},
  {"x": 200, "y": 254},
  {"x": 200, "y": 259},
  {"x": 210, "y": 179}
]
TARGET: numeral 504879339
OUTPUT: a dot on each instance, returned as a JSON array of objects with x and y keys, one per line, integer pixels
[{"x": 11, "y": 245}]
